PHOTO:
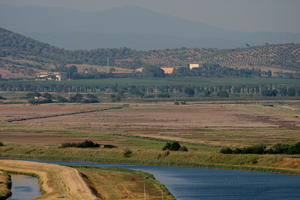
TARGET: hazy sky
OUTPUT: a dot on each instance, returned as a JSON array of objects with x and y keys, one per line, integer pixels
[{"x": 241, "y": 15}]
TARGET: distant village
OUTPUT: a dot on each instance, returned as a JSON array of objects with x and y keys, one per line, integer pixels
[{"x": 57, "y": 76}]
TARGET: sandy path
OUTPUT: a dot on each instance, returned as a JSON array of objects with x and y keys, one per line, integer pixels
[{"x": 58, "y": 182}]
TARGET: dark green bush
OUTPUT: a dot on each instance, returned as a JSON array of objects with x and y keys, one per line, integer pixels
[
  {"x": 109, "y": 146},
  {"x": 279, "y": 149},
  {"x": 127, "y": 153},
  {"x": 183, "y": 148},
  {"x": 167, "y": 146},
  {"x": 1, "y": 144},
  {"x": 85, "y": 144},
  {"x": 175, "y": 146},
  {"x": 257, "y": 149},
  {"x": 294, "y": 149},
  {"x": 226, "y": 150},
  {"x": 261, "y": 149}
]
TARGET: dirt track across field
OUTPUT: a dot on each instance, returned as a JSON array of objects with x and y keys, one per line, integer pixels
[
  {"x": 63, "y": 114},
  {"x": 58, "y": 182}
]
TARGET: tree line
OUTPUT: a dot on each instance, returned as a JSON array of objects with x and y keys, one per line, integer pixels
[{"x": 41, "y": 94}]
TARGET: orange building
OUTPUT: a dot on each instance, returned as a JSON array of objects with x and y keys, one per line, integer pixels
[{"x": 168, "y": 70}]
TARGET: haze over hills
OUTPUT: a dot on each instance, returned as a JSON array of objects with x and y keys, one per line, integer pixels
[
  {"x": 129, "y": 26},
  {"x": 25, "y": 56}
]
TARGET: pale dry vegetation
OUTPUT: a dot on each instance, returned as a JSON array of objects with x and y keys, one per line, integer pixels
[{"x": 58, "y": 182}]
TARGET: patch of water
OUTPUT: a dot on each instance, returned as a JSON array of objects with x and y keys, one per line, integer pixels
[{"x": 24, "y": 187}]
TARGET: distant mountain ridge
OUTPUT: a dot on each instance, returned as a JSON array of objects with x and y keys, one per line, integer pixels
[
  {"x": 128, "y": 26},
  {"x": 25, "y": 56}
]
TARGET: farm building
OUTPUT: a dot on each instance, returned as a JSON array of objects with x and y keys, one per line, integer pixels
[
  {"x": 49, "y": 76},
  {"x": 192, "y": 66},
  {"x": 168, "y": 70}
]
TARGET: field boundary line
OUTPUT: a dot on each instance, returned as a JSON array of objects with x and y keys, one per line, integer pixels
[{"x": 65, "y": 114}]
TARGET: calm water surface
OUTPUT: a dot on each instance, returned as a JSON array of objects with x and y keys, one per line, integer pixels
[
  {"x": 24, "y": 187},
  {"x": 216, "y": 184}
]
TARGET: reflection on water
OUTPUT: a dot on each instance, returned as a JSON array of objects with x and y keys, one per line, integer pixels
[{"x": 24, "y": 187}]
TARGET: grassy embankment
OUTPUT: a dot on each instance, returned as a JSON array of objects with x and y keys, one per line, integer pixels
[
  {"x": 56, "y": 181},
  {"x": 115, "y": 184},
  {"x": 5, "y": 185},
  {"x": 197, "y": 156},
  {"x": 85, "y": 183}
]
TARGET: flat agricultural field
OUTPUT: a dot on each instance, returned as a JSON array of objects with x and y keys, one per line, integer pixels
[
  {"x": 198, "y": 122},
  {"x": 144, "y": 128}
]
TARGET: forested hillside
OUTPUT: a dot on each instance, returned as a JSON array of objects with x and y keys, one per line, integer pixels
[{"x": 21, "y": 56}]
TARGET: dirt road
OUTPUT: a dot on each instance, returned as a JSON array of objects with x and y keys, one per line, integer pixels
[{"x": 58, "y": 182}]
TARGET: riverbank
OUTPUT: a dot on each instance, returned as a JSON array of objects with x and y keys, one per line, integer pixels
[
  {"x": 115, "y": 184},
  {"x": 56, "y": 181},
  {"x": 285, "y": 164},
  {"x": 5, "y": 185},
  {"x": 88, "y": 182}
]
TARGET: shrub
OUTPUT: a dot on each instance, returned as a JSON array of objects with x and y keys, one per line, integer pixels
[
  {"x": 1, "y": 144},
  {"x": 222, "y": 94},
  {"x": 109, "y": 146},
  {"x": 32, "y": 95},
  {"x": 257, "y": 149},
  {"x": 261, "y": 149},
  {"x": 279, "y": 149},
  {"x": 61, "y": 99},
  {"x": 183, "y": 148},
  {"x": 295, "y": 149},
  {"x": 175, "y": 146},
  {"x": 85, "y": 144},
  {"x": 183, "y": 103},
  {"x": 2, "y": 98},
  {"x": 163, "y": 155},
  {"x": 127, "y": 153},
  {"x": 167, "y": 146},
  {"x": 76, "y": 98},
  {"x": 226, "y": 150}
]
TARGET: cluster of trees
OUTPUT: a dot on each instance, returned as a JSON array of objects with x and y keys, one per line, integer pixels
[
  {"x": 85, "y": 144},
  {"x": 216, "y": 70},
  {"x": 118, "y": 92},
  {"x": 37, "y": 98},
  {"x": 262, "y": 149},
  {"x": 174, "y": 146}
]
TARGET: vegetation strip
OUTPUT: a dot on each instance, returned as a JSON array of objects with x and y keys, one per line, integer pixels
[
  {"x": 65, "y": 114},
  {"x": 5, "y": 185}
]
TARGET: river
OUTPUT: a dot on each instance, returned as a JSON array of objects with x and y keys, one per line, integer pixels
[
  {"x": 24, "y": 187},
  {"x": 216, "y": 184}
]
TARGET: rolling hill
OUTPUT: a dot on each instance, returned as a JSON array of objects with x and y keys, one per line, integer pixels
[
  {"x": 129, "y": 26},
  {"x": 22, "y": 56}
]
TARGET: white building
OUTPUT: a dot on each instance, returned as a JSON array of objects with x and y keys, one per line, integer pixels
[{"x": 192, "y": 66}]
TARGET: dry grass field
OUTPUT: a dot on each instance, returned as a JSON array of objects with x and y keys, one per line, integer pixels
[
  {"x": 199, "y": 122},
  {"x": 203, "y": 127}
]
